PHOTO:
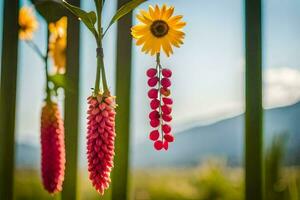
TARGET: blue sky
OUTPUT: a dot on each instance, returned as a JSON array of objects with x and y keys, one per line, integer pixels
[{"x": 208, "y": 81}]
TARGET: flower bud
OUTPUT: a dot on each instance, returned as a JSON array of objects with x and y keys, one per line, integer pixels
[
  {"x": 166, "y": 128},
  {"x": 158, "y": 145},
  {"x": 154, "y": 104},
  {"x": 165, "y": 91},
  {"x": 154, "y": 115},
  {"x": 153, "y": 93},
  {"x": 167, "y": 73},
  {"x": 151, "y": 72},
  {"x": 166, "y": 109},
  {"x": 165, "y": 82},
  {"x": 167, "y": 118},
  {"x": 154, "y": 135},
  {"x": 166, "y": 145},
  {"x": 167, "y": 100},
  {"x": 153, "y": 81},
  {"x": 169, "y": 137},
  {"x": 154, "y": 123}
]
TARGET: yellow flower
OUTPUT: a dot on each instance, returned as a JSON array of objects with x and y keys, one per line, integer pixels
[
  {"x": 58, "y": 44},
  {"x": 27, "y": 22},
  {"x": 158, "y": 30}
]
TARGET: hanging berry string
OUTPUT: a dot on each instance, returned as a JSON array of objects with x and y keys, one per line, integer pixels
[{"x": 160, "y": 116}]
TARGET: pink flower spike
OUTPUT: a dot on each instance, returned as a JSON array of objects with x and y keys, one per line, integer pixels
[
  {"x": 151, "y": 72},
  {"x": 166, "y": 109},
  {"x": 154, "y": 104},
  {"x": 166, "y": 145},
  {"x": 167, "y": 100},
  {"x": 169, "y": 137},
  {"x": 166, "y": 128},
  {"x": 153, "y": 81},
  {"x": 167, "y": 73},
  {"x": 165, "y": 82},
  {"x": 154, "y": 135},
  {"x": 153, "y": 93},
  {"x": 158, "y": 145},
  {"x": 154, "y": 115}
]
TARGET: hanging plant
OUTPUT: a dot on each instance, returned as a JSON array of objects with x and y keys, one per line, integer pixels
[
  {"x": 101, "y": 112},
  {"x": 159, "y": 30},
  {"x": 52, "y": 127}
]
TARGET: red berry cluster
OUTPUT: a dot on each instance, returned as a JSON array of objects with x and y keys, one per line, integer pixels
[{"x": 160, "y": 116}]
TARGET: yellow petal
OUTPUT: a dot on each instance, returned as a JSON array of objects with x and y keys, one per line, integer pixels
[
  {"x": 146, "y": 15},
  {"x": 179, "y": 25},
  {"x": 168, "y": 13},
  {"x": 175, "y": 19},
  {"x": 166, "y": 46},
  {"x": 163, "y": 11},
  {"x": 143, "y": 19},
  {"x": 151, "y": 12}
]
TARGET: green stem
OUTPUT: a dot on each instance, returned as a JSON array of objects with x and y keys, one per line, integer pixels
[
  {"x": 35, "y": 48},
  {"x": 100, "y": 61},
  {"x": 48, "y": 97},
  {"x": 98, "y": 77},
  {"x": 159, "y": 68},
  {"x": 104, "y": 81}
]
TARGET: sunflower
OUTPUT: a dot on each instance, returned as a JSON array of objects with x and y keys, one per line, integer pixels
[
  {"x": 158, "y": 29},
  {"x": 27, "y": 22},
  {"x": 58, "y": 44}
]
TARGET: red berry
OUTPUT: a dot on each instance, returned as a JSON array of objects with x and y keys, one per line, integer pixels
[
  {"x": 167, "y": 100},
  {"x": 165, "y": 82},
  {"x": 154, "y": 123},
  {"x": 154, "y": 115},
  {"x": 166, "y": 145},
  {"x": 154, "y": 104},
  {"x": 166, "y": 109},
  {"x": 158, "y": 145},
  {"x": 154, "y": 135},
  {"x": 153, "y": 93},
  {"x": 169, "y": 137},
  {"x": 167, "y": 73},
  {"x": 165, "y": 91},
  {"x": 167, "y": 118},
  {"x": 153, "y": 81},
  {"x": 151, "y": 72},
  {"x": 166, "y": 128}
]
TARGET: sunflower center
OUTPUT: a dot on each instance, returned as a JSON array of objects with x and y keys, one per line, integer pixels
[{"x": 159, "y": 28}]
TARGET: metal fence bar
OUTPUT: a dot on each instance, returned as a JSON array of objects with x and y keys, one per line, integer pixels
[
  {"x": 254, "y": 111},
  {"x": 72, "y": 108},
  {"x": 8, "y": 92},
  {"x": 123, "y": 92}
]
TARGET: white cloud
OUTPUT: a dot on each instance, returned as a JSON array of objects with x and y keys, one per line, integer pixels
[{"x": 281, "y": 86}]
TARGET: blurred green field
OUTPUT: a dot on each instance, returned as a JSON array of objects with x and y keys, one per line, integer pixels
[{"x": 212, "y": 180}]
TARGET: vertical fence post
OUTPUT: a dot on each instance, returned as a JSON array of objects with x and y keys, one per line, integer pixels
[
  {"x": 72, "y": 108},
  {"x": 123, "y": 92},
  {"x": 253, "y": 117},
  {"x": 8, "y": 97}
]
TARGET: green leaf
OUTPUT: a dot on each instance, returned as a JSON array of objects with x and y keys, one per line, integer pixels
[
  {"x": 50, "y": 10},
  {"x": 125, "y": 9},
  {"x": 88, "y": 18},
  {"x": 58, "y": 80}
]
